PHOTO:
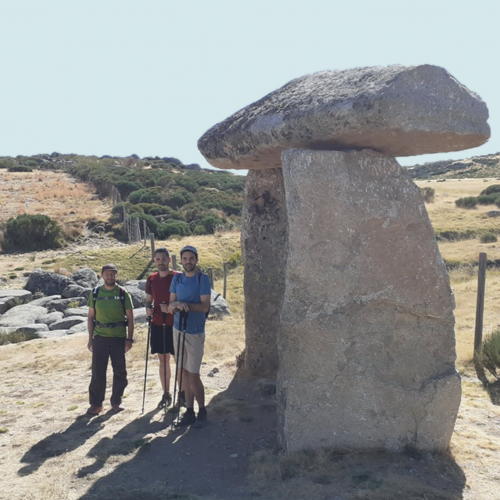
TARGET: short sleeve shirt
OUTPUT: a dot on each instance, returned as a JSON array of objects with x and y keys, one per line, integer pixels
[
  {"x": 159, "y": 288},
  {"x": 190, "y": 290},
  {"x": 109, "y": 309}
]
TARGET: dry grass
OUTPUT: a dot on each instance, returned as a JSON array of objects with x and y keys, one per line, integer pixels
[{"x": 54, "y": 194}]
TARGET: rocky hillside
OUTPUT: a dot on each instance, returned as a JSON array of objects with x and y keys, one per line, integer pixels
[{"x": 475, "y": 167}]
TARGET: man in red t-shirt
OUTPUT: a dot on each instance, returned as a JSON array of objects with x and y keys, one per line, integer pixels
[{"x": 157, "y": 300}]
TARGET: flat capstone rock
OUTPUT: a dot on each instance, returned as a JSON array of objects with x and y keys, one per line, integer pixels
[{"x": 395, "y": 110}]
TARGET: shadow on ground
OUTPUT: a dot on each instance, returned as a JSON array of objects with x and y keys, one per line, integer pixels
[{"x": 209, "y": 462}]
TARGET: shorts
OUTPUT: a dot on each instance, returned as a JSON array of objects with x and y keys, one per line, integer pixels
[
  {"x": 157, "y": 340},
  {"x": 193, "y": 350}
]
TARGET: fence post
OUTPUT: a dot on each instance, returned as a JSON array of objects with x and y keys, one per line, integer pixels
[
  {"x": 152, "y": 240},
  {"x": 174, "y": 262},
  {"x": 144, "y": 227},
  {"x": 210, "y": 273},
  {"x": 225, "y": 279},
  {"x": 481, "y": 280}
]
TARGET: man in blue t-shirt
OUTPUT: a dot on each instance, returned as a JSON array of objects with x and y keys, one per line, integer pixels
[{"x": 190, "y": 292}]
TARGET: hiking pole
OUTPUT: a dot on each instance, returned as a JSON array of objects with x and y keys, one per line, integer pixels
[
  {"x": 146, "y": 368},
  {"x": 165, "y": 358},
  {"x": 182, "y": 330}
]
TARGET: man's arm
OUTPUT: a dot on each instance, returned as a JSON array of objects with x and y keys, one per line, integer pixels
[
  {"x": 130, "y": 327},
  {"x": 90, "y": 327},
  {"x": 149, "y": 305},
  {"x": 173, "y": 303}
]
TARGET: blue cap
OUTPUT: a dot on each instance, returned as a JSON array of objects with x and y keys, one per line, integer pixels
[{"x": 189, "y": 248}]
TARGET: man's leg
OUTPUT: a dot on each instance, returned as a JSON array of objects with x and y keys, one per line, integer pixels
[
  {"x": 100, "y": 355},
  {"x": 117, "y": 352},
  {"x": 165, "y": 383}
]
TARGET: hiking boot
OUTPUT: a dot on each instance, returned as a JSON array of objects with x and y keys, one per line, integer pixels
[
  {"x": 188, "y": 418},
  {"x": 94, "y": 410},
  {"x": 117, "y": 408},
  {"x": 165, "y": 401},
  {"x": 201, "y": 420}
]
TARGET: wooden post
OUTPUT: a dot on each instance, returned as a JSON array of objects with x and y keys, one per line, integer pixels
[
  {"x": 144, "y": 227},
  {"x": 152, "y": 240},
  {"x": 481, "y": 279},
  {"x": 225, "y": 279},
  {"x": 174, "y": 262},
  {"x": 210, "y": 274}
]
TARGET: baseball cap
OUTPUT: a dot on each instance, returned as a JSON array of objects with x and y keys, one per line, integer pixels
[
  {"x": 189, "y": 248},
  {"x": 109, "y": 267}
]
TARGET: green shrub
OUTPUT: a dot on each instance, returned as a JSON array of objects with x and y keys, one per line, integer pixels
[
  {"x": 488, "y": 238},
  {"x": 467, "y": 202},
  {"x": 494, "y": 188},
  {"x": 168, "y": 229},
  {"x": 32, "y": 232},
  {"x": 488, "y": 199},
  {"x": 6, "y": 162},
  {"x": 20, "y": 168},
  {"x": 488, "y": 353},
  {"x": 428, "y": 194}
]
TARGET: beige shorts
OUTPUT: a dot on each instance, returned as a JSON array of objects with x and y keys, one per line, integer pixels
[{"x": 193, "y": 350}]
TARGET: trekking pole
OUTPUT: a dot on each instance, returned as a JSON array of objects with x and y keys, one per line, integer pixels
[
  {"x": 146, "y": 368},
  {"x": 179, "y": 368},
  {"x": 177, "y": 352},
  {"x": 165, "y": 358}
]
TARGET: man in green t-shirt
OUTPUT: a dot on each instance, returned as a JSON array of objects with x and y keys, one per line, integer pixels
[{"x": 110, "y": 315}]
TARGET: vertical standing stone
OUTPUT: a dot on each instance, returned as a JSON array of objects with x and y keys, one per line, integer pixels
[
  {"x": 366, "y": 340},
  {"x": 263, "y": 241}
]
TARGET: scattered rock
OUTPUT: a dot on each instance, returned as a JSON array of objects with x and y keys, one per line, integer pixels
[
  {"x": 138, "y": 296},
  {"x": 47, "y": 282},
  {"x": 50, "y": 318},
  {"x": 218, "y": 306},
  {"x": 85, "y": 277},
  {"x": 67, "y": 323},
  {"x": 73, "y": 290},
  {"x": 22, "y": 315},
  {"x": 11, "y": 298},
  {"x": 77, "y": 311}
]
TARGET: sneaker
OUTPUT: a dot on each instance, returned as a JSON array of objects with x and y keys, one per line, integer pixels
[
  {"x": 165, "y": 401},
  {"x": 117, "y": 408},
  {"x": 201, "y": 420},
  {"x": 188, "y": 418},
  {"x": 94, "y": 410}
]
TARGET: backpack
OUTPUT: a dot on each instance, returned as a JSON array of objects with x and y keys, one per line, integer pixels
[
  {"x": 121, "y": 297},
  {"x": 199, "y": 274}
]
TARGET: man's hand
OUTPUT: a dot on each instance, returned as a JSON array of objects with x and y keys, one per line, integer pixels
[
  {"x": 90, "y": 344},
  {"x": 149, "y": 312},
  {"x": 128, "y": 345}
]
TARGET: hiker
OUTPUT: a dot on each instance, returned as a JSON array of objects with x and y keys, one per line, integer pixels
[
  {"x": 157, "y": 300},
  {"x": 190, "y": 292},
  {"x": 110, "y": 314}
]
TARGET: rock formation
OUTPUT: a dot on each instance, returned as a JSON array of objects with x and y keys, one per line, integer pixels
[{"x": 365, "y": 338}]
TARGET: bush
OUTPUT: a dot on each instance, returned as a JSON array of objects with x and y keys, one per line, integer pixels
[
  {"x": 32, "y": 232},
  {"x": 428, "y": 194},
  {"x": 170, "y": 228},
  {"x": 20, "y": 168},
  {"x": 467, "y": 202},
  {"x": 6, "y": 162},
  {"x": 494, "y": 188},
  {"x": 488, "y": 199},
  {"x": 488, "y": 238},
  {"x": 488, "y": 353}
]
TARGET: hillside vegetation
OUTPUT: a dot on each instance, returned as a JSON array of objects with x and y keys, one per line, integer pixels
[{"x": 170, "y": 197}]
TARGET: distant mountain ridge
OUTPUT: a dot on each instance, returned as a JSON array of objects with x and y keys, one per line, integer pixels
[{"x": 474, "y": 167}]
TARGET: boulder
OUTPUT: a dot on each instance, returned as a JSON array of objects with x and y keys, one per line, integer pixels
[
  {"x": 50, "y": 318},
  {"x": 21, "y": 315},
  {"x": 11, "y": 298},
  {"x": 47, "y": 282},
  {"x": 73, "y": 290},
  {"x": 67, "y": 323},
  {"x": 138, "y": 296},
  {"x": 140, "y": 284},
  {"x": 85, "y": 277},
  {"x": 218, "y": 306},
  {"x": 50, "y": 334},
  {"x": 398, "y": 110},
  {"x": 140, "y": 317},
  {"x": 77, "y": 311},
  {"x": 77, "y": 328},
  {"x": 263, "y": 243},
  {"x": 62, "y": 304},
  {"x": 366, "y": 338},
  {"x": 45, "y": 301}
]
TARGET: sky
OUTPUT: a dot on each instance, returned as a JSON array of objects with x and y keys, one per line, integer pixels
[{"x": 150, "y": 77}]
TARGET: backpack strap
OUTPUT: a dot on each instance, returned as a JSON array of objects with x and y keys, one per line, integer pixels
[{"x": 121, "y": 298}]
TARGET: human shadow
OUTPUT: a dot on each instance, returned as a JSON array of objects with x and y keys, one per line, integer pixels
[
  {"x": 493, "y": 388},
  {"x": 211, "y": 461},
  {"x": 128, "y": 439},
  {"x": 60, "y": 443}
]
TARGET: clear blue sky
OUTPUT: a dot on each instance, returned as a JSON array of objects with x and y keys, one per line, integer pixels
[{"x": 149, "y": 77}]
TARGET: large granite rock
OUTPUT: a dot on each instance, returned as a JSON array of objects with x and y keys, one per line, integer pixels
[
  {"x": 263, "y": 243},
  {"x": 85, "y": 277},
  {"x": 11, "y": 298},
  {"x": 47, "y": 282},
  {"x": 22, "y": 315},
  {"x": 398, "y": 110},
  {"x": 366, "y": 339}
]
